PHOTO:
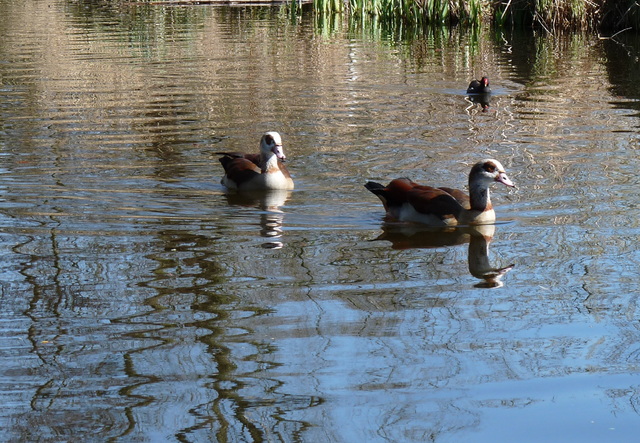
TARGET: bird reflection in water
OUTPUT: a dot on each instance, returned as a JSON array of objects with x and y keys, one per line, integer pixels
[
  {"x": 271, "y": 217},
  {"x": 409, "y": 236},
  {"x": 483, "y": 100}
]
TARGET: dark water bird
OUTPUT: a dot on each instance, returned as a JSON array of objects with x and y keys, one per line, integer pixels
[
  {"x": 405, "y": 200},
  {"x": 257, "y": 172},
  {"x": 479, "y": 86}
]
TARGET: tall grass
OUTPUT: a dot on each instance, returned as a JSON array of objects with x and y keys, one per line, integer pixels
[
  {"x": 553, "y": 15},
  {"x": 414, "y": 11},
  {"x": 550, "y": 15}
]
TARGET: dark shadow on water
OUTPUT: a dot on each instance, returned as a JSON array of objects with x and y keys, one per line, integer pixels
[
  {"x": 412, "y": 236},
  {"x": 623, "y": 68},
  {"x": 271, "y": 217}
]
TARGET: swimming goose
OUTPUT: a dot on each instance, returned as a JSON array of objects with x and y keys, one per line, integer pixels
[
  {"x": 479, "y": 87},
  {"x": 257, "y": 172},
  {"x": 405, "y": 200}
]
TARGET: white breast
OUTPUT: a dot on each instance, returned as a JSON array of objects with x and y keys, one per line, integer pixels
[
  {"x": 408, "y": 213},
  {"x": 267, "y": 181}
]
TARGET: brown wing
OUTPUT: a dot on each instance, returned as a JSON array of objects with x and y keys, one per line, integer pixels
[
  {"x": 460, "y": 196},
  {"x": 239, "y": 170},
  {"x": 424, "y": 199},
  {"x": 230, "y": 156},
  {"x": 397, "y": 190},
  {"x": 428, "y": 200}
]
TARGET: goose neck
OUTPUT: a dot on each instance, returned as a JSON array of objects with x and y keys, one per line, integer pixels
[{"x": 479, "y": 196}]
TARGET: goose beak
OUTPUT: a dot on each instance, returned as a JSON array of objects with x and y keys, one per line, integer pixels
[
  {"x": 279, "y": 152},
  {"x": 502, "y": 178}
]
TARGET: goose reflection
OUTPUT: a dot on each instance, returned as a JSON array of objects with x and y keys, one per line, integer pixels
[
  {"x": 479, "y": 237},
  {"x": 271, "y": 217}
]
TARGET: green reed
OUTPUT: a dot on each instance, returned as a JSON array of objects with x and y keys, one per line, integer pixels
[
  {"x": 415, "y": 11},
  {"x": 553, "y": 15},
  {"x": 550, "y": 15}
]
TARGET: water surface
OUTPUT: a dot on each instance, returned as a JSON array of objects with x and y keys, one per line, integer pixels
[{"x": 141, "y": 302}]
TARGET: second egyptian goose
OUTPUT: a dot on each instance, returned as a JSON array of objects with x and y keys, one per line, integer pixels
[
  {"x": 257, "y": 172},
  {"x": 479, "y": 86},
  {"x": 405, "y": 200}
]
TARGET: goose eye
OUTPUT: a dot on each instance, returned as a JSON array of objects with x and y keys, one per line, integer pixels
[
  {"x": 269, "y": 139},
  {"x": 490, "y": 168}
]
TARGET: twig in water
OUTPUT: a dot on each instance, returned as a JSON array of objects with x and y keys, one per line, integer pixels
[{"x": 614, "y": 35}]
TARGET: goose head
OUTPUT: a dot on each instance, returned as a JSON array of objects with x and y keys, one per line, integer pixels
[
  {"x": 271, "y": 144},
  {"x": 486, "y": 172}
]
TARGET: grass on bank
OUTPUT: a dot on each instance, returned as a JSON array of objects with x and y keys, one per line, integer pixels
[{"x": 547, "y": 14}]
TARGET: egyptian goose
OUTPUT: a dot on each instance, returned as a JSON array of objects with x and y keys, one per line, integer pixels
[
  {"x": 479, "y": 87},
  {"x": 405, "y": 200},
  {"x": 257, "y": 172}
]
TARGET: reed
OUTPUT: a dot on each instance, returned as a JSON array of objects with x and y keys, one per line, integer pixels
[
  {"x": 413, "y": 11},
  {"x": 551, "y": 15}
]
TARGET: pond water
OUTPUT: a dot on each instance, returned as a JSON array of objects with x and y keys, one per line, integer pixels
[{"x": 141, "y": 302}]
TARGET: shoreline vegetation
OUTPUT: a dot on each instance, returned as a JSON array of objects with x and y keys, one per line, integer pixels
[
  {"x": 608, "y": 16},
  {"x": 551, "y": 15}
]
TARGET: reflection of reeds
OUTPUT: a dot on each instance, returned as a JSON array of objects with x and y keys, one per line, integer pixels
[{"x": 548, "y": 14}]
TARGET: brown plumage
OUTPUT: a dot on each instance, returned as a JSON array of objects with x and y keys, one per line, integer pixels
[{"x": 405, "y": 200}]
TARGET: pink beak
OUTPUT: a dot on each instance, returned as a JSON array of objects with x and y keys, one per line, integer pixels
[
  {"x": 502, "y": 178},
  {"x": 278, "y": 151}
]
